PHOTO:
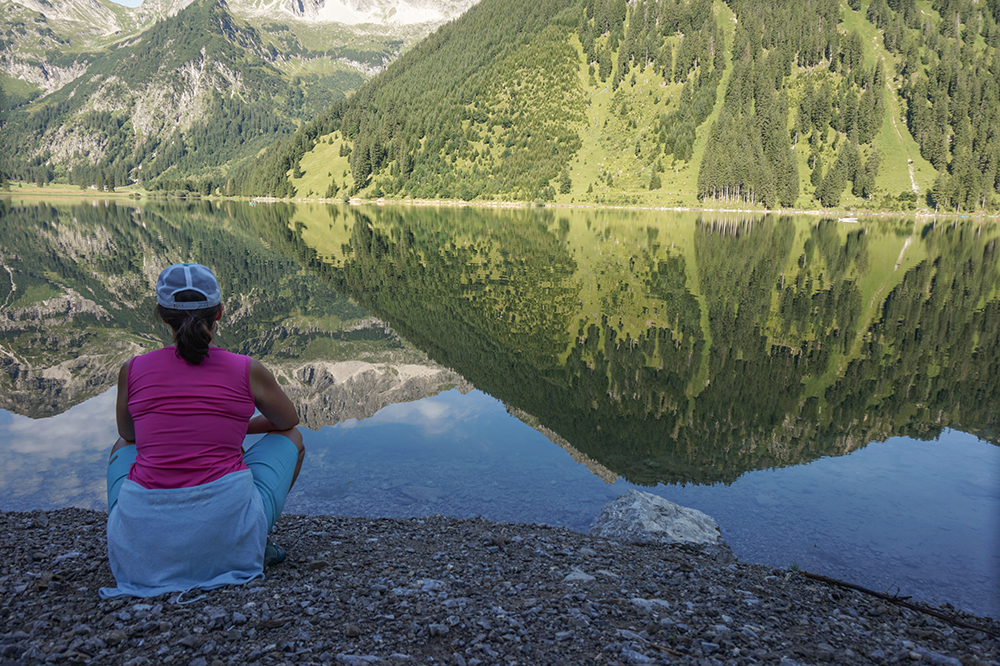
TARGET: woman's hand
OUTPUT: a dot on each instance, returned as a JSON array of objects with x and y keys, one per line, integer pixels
[{"x": 260, "y": 424}]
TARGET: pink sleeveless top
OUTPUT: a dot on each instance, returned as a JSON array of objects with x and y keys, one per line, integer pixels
[{"x": 190, "y": 420}]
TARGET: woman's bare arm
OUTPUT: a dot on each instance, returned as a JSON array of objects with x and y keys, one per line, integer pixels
[
  {"x": 126, "y": 429},
  {"x": 276, "y": 411}
]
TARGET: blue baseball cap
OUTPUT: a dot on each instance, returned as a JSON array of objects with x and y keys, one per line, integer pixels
[{"x": 187, "y": 277}]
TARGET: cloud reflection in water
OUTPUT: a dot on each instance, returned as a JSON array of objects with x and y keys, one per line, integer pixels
[
  {"x": 432, "y": 416},
  {"x": 57, "y": 461}
]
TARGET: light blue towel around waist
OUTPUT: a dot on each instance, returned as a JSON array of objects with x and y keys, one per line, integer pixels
[{"x": 179, "y": 539}]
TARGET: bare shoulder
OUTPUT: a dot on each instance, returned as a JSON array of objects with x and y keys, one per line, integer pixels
[
  {"x": 257, "y": 368},
  {"x": 260, "y": 375}
]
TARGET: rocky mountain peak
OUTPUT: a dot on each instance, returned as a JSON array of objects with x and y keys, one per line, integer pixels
[
  {"x": 354, "y": 12},
  {"x": 91, "y": 16}
]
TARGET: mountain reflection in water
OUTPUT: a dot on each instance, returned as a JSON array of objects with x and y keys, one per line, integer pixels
[
  {"x": 654, "y": 348},
  {"x": 684, "y": 349}
]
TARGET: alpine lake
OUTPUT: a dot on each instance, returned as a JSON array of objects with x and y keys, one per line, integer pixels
[{"x": 828, "y": 390}]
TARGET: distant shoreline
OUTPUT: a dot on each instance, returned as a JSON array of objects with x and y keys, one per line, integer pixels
[{"x": 33, "y": 192}]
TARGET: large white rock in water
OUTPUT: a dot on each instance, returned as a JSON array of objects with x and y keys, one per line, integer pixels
[{"x": 638, "y": 517}]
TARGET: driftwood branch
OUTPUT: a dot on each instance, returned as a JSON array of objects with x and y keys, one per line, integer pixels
[{"x": 902, "y": 601}]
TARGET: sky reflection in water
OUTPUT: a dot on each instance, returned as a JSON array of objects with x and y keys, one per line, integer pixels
[{"x": 923, "y": 517}]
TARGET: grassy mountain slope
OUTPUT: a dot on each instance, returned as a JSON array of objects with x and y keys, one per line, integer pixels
[
  {"x": 887, "y": 104},
  {"x": 900, "y": 152}
]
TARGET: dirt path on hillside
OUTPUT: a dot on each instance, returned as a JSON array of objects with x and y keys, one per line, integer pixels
[{"x": 909, "y": 162}]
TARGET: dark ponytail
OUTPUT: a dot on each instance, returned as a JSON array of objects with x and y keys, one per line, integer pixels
[{"x": 192, "y": 328}]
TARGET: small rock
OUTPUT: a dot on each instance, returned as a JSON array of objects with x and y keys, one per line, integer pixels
[
  {"x": 352, "y": 631},
  {"x": 577, "y": 576},
  {"x": 431, "y": 585},
  {"x": 631, "y": 636},
  {"x": 357, "y": 659},
  {"x": 650, "y": 605},
  {"x": 67, "y": 556},
  {"x": 937, "y": 659},
  {"x": 633, "y": 657},
  {"x": 32, "y": 654},
  {"x": 11, "y": 650},
  {"x": 39, "y": 521},
  {"x": 436, "y": 629}
]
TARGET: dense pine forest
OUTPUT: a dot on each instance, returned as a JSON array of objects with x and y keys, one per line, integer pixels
[{"x": 890, "y": 104}]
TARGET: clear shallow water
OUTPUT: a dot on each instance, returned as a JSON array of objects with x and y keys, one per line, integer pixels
[{"x": 918, "y": 517}]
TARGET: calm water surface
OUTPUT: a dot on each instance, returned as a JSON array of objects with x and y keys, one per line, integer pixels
[{"x": 827, "y": 392}]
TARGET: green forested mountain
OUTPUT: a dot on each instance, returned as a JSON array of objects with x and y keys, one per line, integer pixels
[
  {"x": 95, "y": 93},
  {"x": 775, "y": 103}
]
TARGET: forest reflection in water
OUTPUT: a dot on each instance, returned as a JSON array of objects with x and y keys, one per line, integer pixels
[
  {"x": 675, "y": 349},
  {"x": 661, "y": 350}
]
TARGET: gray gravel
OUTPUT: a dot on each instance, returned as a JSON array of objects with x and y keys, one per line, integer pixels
[{"x": 450, "y": 591}]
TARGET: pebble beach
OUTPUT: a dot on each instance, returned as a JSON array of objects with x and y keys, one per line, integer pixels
[{"x": 439, "y": 590}]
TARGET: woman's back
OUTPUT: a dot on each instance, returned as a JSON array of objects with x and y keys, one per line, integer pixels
[{"x": 190, "y": 420}]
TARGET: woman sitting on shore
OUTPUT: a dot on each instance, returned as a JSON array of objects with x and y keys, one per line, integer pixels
[{"x": 187, "y": 508}]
